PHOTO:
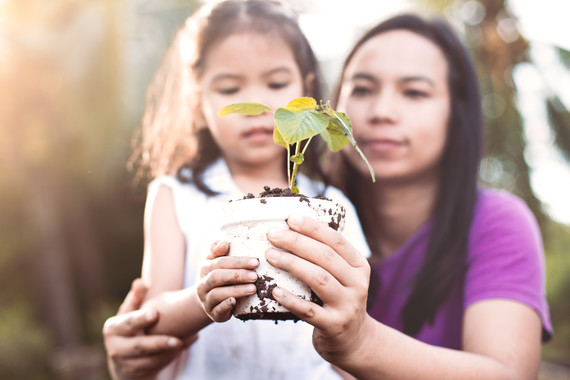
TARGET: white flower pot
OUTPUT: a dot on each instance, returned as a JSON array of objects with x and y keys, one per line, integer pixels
[{"x": 246, "y": 223}]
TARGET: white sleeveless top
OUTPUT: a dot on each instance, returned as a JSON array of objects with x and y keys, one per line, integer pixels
[{"x": 257, "y": 349}]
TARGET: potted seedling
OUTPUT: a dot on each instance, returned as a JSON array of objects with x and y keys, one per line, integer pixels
[{"x": 247, "y": 221}]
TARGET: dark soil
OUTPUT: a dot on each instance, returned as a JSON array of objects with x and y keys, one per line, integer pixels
[
  {"x": 280, "y": 192},
  {"x": 265, "y": 286}
]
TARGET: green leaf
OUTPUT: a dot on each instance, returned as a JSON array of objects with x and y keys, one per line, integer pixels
[
  {"x": 244, "y": 109},
  {"x": 278, "y": 139},
  {"x": 298, "y": 158},
  {"x": 297, "y": 125},
  {"x": 344, "y": 121},
  {"x": 302, "y": 104},
  {"x": 335, "y": 136}
]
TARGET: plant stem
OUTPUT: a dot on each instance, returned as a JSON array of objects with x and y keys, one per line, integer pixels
[
  {"x": 295, "y": 167},
  {"x": 306, "y": 145},
  {"x": 288, "y": 163}
]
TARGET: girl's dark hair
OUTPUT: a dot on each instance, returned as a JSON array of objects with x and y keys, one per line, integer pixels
[
  {"x": 454, "y": 207},
  {"x": 171, "y": 139}
]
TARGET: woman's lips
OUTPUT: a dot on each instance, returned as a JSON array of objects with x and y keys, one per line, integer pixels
[{"x": 382, "y": 146}]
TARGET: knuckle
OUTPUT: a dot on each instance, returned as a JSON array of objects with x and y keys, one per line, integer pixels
[
  {"x": 338, "y": 243},
  {"x": 235, "y": 277},
  {"x": 329, "y": 255},
  {"x": 322, "y": 278},
  {"x": 107, "y": 328},
  {"x": 308, "y": 311},
  {"x": 138, "y": 349},
  {"x": 112, "y": 353}
]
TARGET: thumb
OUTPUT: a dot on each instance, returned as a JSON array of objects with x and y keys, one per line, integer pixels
[
  {"x": 217, "y": 249},
  {"x": 131, "y": 323},
  {"x": 134, "y": 298}
]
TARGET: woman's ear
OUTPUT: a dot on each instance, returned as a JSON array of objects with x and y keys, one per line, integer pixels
[{"x": 309, "y": 85}]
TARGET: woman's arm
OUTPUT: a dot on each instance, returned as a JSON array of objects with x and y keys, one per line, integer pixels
[
  {"x": 501, "y": 338},
  {"x": 130, "y": 353}
]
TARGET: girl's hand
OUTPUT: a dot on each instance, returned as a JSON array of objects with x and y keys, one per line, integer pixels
[
  {"x": 337, "y": 273},
  {"x": 223, "y": 279}
]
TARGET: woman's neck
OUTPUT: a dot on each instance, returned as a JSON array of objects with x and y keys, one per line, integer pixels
[
  {"x": 252, "y": 178},
  {"x": 401, "y": 209}
]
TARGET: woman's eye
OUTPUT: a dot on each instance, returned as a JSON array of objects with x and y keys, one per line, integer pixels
[
  {"x": 360, "y": 91},
  {"x": 228, "y": 90},
  {"x": 415, "y": 94},
  {"x": 277, "y": 85}
]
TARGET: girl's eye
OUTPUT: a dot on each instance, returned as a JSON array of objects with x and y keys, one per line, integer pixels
[
  {"x": 360, "y": 91},
  {"x": 228, "y": 90},
  {"x": 415, "y": 94},
  {"x": 277, "y": 85}
]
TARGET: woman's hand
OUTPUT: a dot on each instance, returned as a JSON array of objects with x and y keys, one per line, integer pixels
[
  {"x": 132, "y": 354},
  {"x": 336, "y": 272},
  {"x": 223, "y": 279}
]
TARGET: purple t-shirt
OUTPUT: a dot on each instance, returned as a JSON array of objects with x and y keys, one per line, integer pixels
[{"x": 504, "y": 260}]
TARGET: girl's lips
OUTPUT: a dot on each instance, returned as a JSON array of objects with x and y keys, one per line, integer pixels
[{"x": 258, "y": 134}]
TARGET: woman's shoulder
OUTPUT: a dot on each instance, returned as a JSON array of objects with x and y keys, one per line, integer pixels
[
  {"x": 503, "y": 219},
  {"x": 496, "y": 205}
]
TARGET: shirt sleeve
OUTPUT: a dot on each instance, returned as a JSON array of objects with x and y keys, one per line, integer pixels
[{"x": 506, "y": 257}]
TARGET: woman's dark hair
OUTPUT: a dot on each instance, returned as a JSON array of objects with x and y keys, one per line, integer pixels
[
  {"x": 171, "y": 139},
  {"x": 454, "y": 206}
]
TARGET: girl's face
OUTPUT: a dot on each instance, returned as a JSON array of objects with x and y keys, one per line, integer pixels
[
  {"x": 248, "y": 67},
  {"x": 396, "y": 94}
]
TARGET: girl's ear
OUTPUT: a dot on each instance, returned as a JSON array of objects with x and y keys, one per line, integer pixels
[
  {"x": 309, "y": 84},
  {"x": 199, "y": 118}
]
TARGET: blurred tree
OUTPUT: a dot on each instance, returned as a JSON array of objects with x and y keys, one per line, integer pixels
[{"x": 64, "y": 140}]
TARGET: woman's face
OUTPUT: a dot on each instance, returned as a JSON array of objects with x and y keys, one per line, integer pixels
[{"x": 396, "y": 94}]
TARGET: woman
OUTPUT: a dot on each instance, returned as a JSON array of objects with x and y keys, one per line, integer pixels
[{"x": 457, "y": 287}]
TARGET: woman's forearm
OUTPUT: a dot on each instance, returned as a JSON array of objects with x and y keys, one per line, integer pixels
[{"x": 386, "y": 353}]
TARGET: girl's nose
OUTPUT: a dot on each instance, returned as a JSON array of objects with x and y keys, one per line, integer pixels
[{"x": 257, "y": 95}]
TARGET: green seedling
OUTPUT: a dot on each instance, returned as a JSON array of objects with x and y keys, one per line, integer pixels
[{"x": 301, "y": 120}]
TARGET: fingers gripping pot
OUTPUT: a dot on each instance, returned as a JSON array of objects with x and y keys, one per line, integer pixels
[{"x": 246, "y": 223}]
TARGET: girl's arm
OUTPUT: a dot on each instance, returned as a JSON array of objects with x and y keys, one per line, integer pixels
[
  {"x": 163, "y": 269},
  {"x": 501, "y": 338},
  {"x": 183, "y": 312}
]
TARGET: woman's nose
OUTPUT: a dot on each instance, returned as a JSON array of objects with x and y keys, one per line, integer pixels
[{"x": 384, "y": 108}]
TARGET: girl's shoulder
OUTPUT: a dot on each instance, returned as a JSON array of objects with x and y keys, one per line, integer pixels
[{"x": 216, "y": 177}]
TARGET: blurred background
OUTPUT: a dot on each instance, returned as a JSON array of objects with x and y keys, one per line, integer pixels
[{"x": 73, "y": 75}]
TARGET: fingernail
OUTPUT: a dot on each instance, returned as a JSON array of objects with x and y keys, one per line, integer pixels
[
  {"x": 172, "y": 342},
  {"x": 252, "y": 276},
  {"x": 275, "y": 233},
  {"x": 295, "y": 220},
  {"x": 277, "y": 292},
  {"x": 253, "y": 262},
  {"x": 272, "y": 254}
]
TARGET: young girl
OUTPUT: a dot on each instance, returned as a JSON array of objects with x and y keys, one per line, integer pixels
[
  {"x": 233, "y": 51},
  {"x": 457, "y": 270}
]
